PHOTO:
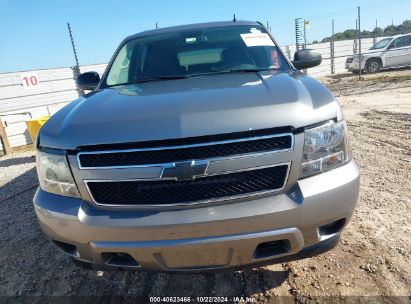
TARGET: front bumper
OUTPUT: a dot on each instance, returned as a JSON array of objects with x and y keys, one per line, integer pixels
[
  {"x": 209, "y": 237},
  {"x": 354, "y": 65}
]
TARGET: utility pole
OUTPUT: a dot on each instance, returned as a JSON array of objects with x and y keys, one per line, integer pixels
[
  {"x": 359, "y": 43},
  {"x": 74, "y": 49}
]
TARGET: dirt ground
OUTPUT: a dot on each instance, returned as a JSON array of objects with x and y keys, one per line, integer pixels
[{"x": 372, "y": 259}]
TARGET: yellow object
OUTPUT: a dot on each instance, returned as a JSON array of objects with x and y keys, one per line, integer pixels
[{"x": 34, "y": 125}]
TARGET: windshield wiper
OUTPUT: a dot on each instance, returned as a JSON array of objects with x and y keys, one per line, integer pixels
[
  {"x": 251, "y": 70},
  {"x": 171, "y": 77},
  {"x": 165, "y": 77},
  {"x": 227, "y": 71},
  {"x": 157, "y": 78}
]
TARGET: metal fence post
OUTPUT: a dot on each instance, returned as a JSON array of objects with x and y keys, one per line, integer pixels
[
  {"x": 332, "y": 56},
  {"x": 76, "y": 68},
  {"x": 76, "y": 73},
  {"x": 288, "y": 52},
  {"x": 305, "y": 34},
  {"x": 4, "y": 140},
  {"x": 298, "y": 35},
  {"x": 359, "y": 44},
  {"x": 354, "y": 51},
  {"x": 73, "y": 46},
  {"x": 374, "y": 39}
]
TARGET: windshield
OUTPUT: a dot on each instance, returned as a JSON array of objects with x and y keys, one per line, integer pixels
[
  {"x": 194, "y": 53},
  {"x": 380, "y": 44}
]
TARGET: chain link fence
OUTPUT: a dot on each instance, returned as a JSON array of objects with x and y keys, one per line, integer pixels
[{"x": 335, "y": 53}]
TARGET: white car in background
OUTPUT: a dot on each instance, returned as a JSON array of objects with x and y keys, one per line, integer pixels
[{"x": 388, "y": 52}]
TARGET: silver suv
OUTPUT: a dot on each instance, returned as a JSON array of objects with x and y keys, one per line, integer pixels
[
  {"x": 388, "y": 52},
  {"x": 201, "y": 147}
]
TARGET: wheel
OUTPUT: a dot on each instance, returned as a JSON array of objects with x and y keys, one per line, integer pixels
[{"x": 373, "y": 66}]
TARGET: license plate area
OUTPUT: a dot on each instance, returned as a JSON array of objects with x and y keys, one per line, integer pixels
[{"x": 215, "y": 257}]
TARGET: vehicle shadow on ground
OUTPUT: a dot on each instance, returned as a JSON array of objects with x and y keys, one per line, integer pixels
[
  {"x": 244, "y": 283},
  {"x": 20, "y": 184},
  {"x": 4, "y": 163}
]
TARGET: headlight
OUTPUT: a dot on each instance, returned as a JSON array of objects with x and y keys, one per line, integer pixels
[
  {"x": 54, "y": 174},
  {"x": 325, "y": 147}
]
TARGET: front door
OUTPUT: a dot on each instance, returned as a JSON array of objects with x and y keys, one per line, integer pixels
[{"x": 399, "y": 52}]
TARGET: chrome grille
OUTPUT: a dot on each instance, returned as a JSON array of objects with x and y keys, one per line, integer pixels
[
  {"x": 167, "y": 174},
  {"x": 169, "y": 154}
]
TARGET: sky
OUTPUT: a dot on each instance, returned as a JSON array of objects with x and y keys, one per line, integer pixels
[{"x": 34, "y": 35}]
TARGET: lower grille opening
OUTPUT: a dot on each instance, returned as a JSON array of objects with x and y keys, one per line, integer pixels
[
  {"x": 164, "y": 192},
  {"x": 119, "y": 259},
  {"x": 66, "y": 248},
  {"x": 273, "y": 248},
  {"x": 332, "y": 228}
]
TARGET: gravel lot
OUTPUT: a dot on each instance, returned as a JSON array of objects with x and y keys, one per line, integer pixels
[{"x": 372, "y": 259}]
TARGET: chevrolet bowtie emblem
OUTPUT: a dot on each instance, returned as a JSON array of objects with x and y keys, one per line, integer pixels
[{"x": 186, "y": 170}]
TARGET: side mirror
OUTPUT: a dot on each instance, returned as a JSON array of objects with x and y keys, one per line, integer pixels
[
  {"x": 305, "y": 59},
  {"x": 88, "y": 80}
]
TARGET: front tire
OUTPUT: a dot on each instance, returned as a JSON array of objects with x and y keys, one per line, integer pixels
[{"x": 373, "y": 66}]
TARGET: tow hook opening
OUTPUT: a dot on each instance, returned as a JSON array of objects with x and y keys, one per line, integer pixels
[
  {"x": 332, "y": 228},
  {"x": 69, "y": 249},
  {"x": 272, "y": 248},
  {"x": 119, "y": 259}
]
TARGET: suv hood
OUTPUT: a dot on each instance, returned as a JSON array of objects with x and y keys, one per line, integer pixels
[
  {"x": 197, "y": 106},
  {"x": 368, "y": 53}
]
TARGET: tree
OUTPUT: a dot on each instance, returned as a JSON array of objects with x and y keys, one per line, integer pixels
[
  {"x": 377, "y": 31},
  {"x": 390, "y": 30},
  {"x": 407, "y": 24}
]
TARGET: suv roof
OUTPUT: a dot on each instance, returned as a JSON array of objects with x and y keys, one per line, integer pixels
[
  {"x": 400, "y": 35},
  {"x": 194, "y": 26}
]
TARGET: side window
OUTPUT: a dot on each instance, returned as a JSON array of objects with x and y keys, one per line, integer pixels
[
  {"x": 399, "y": 42},
  {"x": 119, "y": 72},
  {"x": 408, "y": 40}
]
